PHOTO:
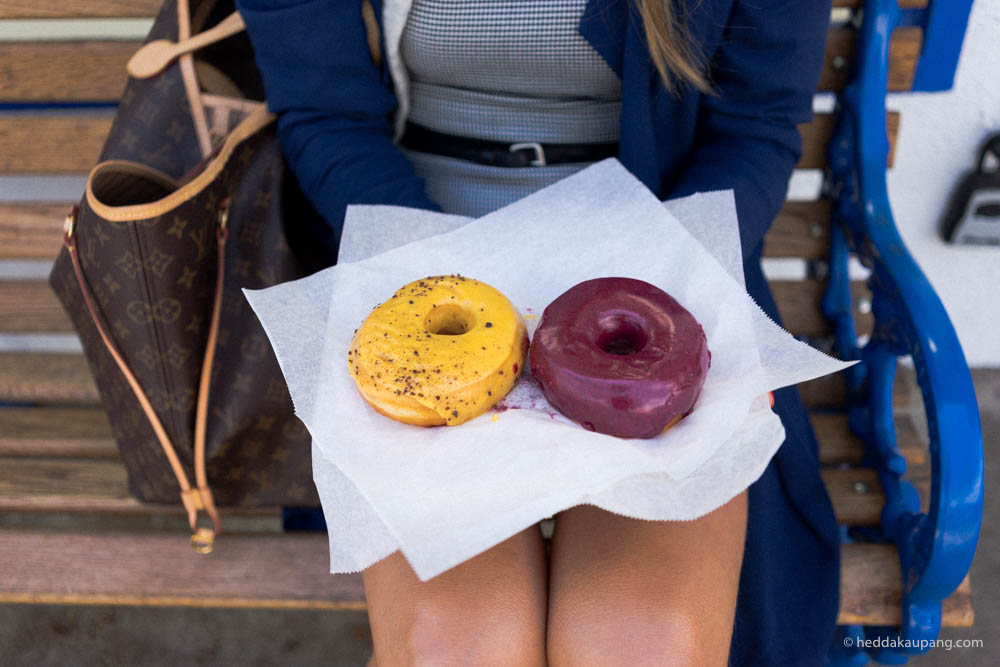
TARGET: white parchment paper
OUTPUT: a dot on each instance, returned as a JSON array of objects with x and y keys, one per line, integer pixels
[{"x": 443, "y": 495}]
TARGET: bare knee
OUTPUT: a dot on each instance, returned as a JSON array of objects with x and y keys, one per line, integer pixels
[
  {"x": 488, "y": 610},
  {"x": 479, "y": 633},
  {"x": 625, "y": 591},
  {"x": 631, "y": 635}
]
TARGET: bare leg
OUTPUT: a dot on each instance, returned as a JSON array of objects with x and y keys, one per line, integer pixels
[
  {"x": 489, "y": 610},
  {"x": 633, "y": 592}
]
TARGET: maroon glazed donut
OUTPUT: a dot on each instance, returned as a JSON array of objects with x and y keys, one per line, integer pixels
[{"x": 620, "y": 356}]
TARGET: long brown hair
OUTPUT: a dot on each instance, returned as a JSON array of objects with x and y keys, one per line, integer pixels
[{"x": 670, "y": 46}]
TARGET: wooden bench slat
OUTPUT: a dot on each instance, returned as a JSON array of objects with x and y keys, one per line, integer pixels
[
  {"x": 56, "y": 432},
  {"x": 857, "y": 494},
  {"x": 17, "y": 9},
  {"x": 29, "y": 377},
  {"x": 799, "y": 304},
  {"x": 57, "y": 143},
  {"x": 838, "y": 444},
  {"x": 71, "y": 143},
  {"x": 79, "y": 71},
  {"x": 801, "y": 229},
  {"x": 852, "y": 505},
  {"x": 30, "y": 484},
  {"x": 871, "y": 589},
  {"x": 816, "y": 139},
  {"x": 249, "y": 571},
  {"x": 68, "y": 485},
  {"x": 830, "y": 392},
  {"x": 65, "y": 378},
  {"x": 827, "y": 392},
  {"x": 74, "y": 71},
  {"x": 856, "y": 4},
  {"x": 64, "y": 71},
  {"x": 904, "y": 52},
  {"x": 33, "y": 377},
  {"x": 84, "y": 433},
  {"x": 53, "y": 9},
  {"x": 30, "y": 306},
  {"x": 32, "y": 230},
  {"x": 290, "y": 572}
]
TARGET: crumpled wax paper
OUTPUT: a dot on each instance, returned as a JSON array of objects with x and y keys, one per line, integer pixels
[{"x": 443, "y": 495}]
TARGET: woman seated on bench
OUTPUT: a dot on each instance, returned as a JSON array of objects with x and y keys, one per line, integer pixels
[{"x": 711, "y": 104}]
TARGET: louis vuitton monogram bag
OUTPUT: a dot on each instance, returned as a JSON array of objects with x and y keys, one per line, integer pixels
[{"x": 192, "y": 201}]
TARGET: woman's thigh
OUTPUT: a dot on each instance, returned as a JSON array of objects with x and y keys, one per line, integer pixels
[
  {"x": 631, "y": 591},
  {"x": 488, "y": 610}
]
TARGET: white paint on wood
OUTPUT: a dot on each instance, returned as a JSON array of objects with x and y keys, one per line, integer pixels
[
  {"x": 55, "y": 343},
  {"x": 26, "y": 269},
  {"x": 19, "y": 188},
  {"x": 60, "y": 30}
]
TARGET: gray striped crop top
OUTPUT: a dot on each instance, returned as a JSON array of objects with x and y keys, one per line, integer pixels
[
  {"x": 509, "y": 70},
  {"x": 505, "y": 70}
]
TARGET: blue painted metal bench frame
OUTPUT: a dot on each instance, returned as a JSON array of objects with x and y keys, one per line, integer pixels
[{"x": 936, "y": 548}]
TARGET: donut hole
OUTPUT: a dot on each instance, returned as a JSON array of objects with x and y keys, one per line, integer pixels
[
  {"x": 449, "y": 320},
  {"x": 621, "y": 334}
]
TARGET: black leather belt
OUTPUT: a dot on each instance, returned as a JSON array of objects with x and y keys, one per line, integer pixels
[{"x": 500, "y": 154}]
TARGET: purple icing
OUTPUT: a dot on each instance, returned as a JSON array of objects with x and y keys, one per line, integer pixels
[{"x": 621, "y": 356}]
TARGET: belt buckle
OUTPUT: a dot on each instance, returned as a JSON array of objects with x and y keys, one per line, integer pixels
[{"x": 539, "y": 160}]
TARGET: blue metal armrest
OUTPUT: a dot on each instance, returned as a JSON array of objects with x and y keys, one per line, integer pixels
[{"x": 936, "y": 548}]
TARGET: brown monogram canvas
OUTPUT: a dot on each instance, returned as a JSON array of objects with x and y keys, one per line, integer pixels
[{"x": 152, "y": 277}]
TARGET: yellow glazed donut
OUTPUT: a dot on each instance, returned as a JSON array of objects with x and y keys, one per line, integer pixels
[{"x": 442, "y": 350}]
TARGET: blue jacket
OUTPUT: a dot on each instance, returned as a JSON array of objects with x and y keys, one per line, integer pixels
[
  {"x": 335, "y": 122},
  {"x": 335, "y": 106}
]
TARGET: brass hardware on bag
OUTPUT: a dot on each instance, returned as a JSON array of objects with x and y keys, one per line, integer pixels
[
  {"x": 224, "y": 213},
  {"x": 203, "y": 540},
  {"x": 69, "y": 225},
  {"x": 200, "y": 500}
]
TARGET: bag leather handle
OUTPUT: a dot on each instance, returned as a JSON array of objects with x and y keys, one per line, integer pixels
[
  {"x": 371, "y": 30},
  {"x": 157, "y": 55},
  {"x": 154, "y": 57},
  {"x": 190, "y": 79}
]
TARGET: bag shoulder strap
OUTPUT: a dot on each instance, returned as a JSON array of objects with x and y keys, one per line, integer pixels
[
  {"x": 153, "y": 57},
  {"x": 371, "y": 28},
  {"x": 199, "y": 498}
]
